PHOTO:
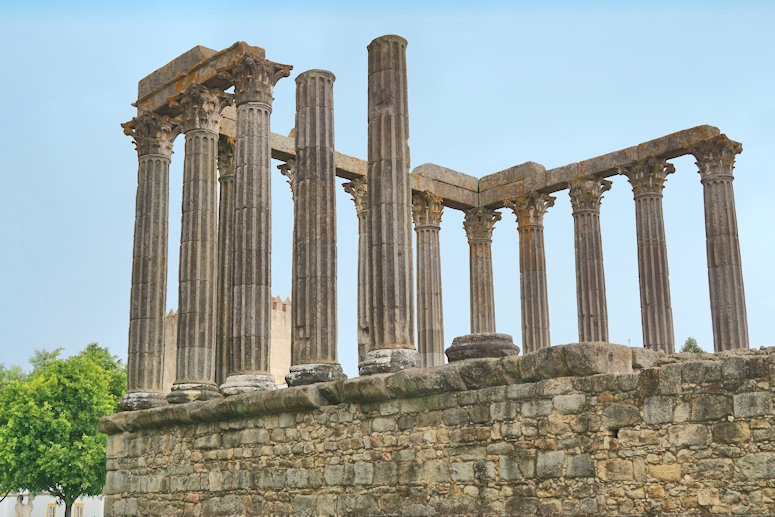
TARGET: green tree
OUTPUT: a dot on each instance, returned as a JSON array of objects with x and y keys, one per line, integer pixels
[
  {"x": 49, "y": 436},
  {"x": 11, "y": 374},
  {"x": 691, "y": 346}
]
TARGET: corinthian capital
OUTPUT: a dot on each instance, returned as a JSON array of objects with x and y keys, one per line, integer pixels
[
  {"x": 357, "y": 189},
  {"x": 226, "y": 146},
  {"x": 426, "y": 209},
  {"x": 254, "y": 78},
  {"x": 587, "y": 193},
  {"x": 288, "y": 169},
  {"x": 202, "y": 108},
  {"x": 479, "y": 223},
  {"x": 716, "y": 157},
  {"x": 530, "y": 208},
  {"x": 648, "y": 176},
  {"x": 152, "y": 133}
]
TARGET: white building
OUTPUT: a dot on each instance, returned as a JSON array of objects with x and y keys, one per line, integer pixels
[{"x": 45, "y": 505}]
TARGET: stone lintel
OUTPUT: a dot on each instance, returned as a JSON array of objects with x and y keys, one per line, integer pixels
[
  {"x": 457, "y": 190},
  {"x": 506, "y": 185},
  {"x": 167, "y": 83}
]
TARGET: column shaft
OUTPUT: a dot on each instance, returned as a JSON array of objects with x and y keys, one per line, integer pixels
[
  {"x": 647, "y": 179},
  {"x": 252, "y": 290},
  {"x": 715, "y": 159},
  {"x": 153, "y": 137},
  {"x": 586, "y": 195},
  {"x": 479, "y": 223},
  {"x": 389, "y": 194},
  {"x": 225, "y": 257},
  {"x": 358, "y": 188},
  {"x": 534, "y": 298},
  {"x": 427, "y": 210},
  {"x": 314, "y": 329}
]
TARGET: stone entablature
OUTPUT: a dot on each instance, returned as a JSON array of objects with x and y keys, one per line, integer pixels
[{"x": 585, "y": 429}]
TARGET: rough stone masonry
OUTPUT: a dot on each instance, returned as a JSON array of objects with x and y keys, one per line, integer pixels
[{"x": 591, "y": 428}]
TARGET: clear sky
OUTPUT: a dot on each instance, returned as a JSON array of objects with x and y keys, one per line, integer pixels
[{"x": 491, "y": 85}]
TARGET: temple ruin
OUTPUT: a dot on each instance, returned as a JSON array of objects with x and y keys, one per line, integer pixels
[{"x": 285, "y": 449}]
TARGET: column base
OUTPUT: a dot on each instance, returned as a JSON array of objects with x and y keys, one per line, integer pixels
[
  {"x": 183, "y": 392},
  {"x": 389, "y": 360},
  {"x": 476, "y": 346},
  {"x": 245, "y": 382},
  {"x": 302, "y": 374},
  {"x": 141, "y": 400}
]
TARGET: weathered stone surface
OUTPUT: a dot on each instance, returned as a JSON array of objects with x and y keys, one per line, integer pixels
[
  {"x": 388, "y": 360},
  {"x": 477, "y": 346},
  {"x": 593, "y": 358},
  {"x": 301, "y": 374},
  {"x": 644, "y": 358}
]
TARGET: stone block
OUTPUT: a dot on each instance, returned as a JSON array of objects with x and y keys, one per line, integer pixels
[
  {"x": 383, "y": 424},
  {"x": 658, "y": 410},
  {"x": 709, "y": 407},
  {"x": 716, "y": 468},
  {"x": 371, "y": 388},
  {"x": 568, "y": 404},
  {"x": 414, "y": 382},
  {"x": 592, "y": 358},
  {"x": 479, "y": 373},
  {"x": 699, "y": 372},
  {"x": 579, "y": 466},
  {"x": 732, "y": 432},
  {"x": 509, "y": 468},
  {"x": 644, "y": 358},
  {"x": 462, "y": 471},
  {"x": 364, "y": 473},
  {"x": 435, "y": 471},
  {"x": 670, "y": 379},
  {"x": 504, "y": 410},
  {"x": 757, "y": 465},
  {"x": 688, "y": 435},
  {"x": 334, "y": 475},
  {"x": 521, "y": 391},
  {"x": 615, "y": 470},
  {"x": 549, "y": 464},
  {"x": 616, "y": 416},
  {"x": 665, "y": 473},
  {"x": 546, "y": 363},
  {"x": 537, "y": 407},
  {"x": 745, "y": 367},
  {"x": 747, "y": 405}
]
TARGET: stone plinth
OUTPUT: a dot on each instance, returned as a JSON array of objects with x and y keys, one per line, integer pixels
[
  {"x": 586, "y": 195},
  {"x": 716, "y": 161},
  {"x": 153, "y": 136},
  {"x": 477, "y": 346},
  {"x": 648, "y": 181},
  {"x": 314, "y": 332},
  {"x": 391, "y": 322}
]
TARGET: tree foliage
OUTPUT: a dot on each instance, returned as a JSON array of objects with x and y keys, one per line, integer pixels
[
  {"x": 49, "y": 436},
  {"x": 691, "y": 346}
]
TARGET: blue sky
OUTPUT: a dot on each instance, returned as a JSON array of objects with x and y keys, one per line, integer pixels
[{"x": 490, "y": 86}]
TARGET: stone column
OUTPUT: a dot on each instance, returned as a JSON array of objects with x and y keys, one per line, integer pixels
[
  {"x": 252, "y": 291},
  {"x": 427, "y": 210},
  {"x": 390, "y": 223},
  {"x": 648, "y": 179},
  {"x": 530, "y": 210},
  {"x": 585, "y": 196},
  {"x": 357, "y": 189},
  {"x": 225, "y": 256},
  {"x": 314, "y": 328},
  {"x": 483, "y": 340},
  {"x": 153, "y": 136},
  {"x": 195, "y": 373},
  {"x": 716, "y": 160}
]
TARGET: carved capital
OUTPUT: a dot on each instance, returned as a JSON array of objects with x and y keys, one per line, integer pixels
[
  {"x": 357, "y": 188},
  {"x": 716, "y": 158},
  {"x": 587, "y": 193},
  {"x": 254, "y": 78},
  {"x": 152, "y": 133},
  {"x": 202, "y": 108},
  {"x": 226, "y": 146},
  {"x": 648, "y": 176},
  {"x": 479, "y": 223},
  {"x": 426, "y": 209},
  {"x": 288, "y": 169},
  {"x": 530, "y": 208}
]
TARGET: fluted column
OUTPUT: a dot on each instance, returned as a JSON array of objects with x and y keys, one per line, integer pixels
[
  {"x": 479, "y": 224},
  {"x": 530, "y": 210},
  {"x": 253, "y": 80},
  {"x": 585, "y": 196},
  {"x": 225, "y": 256},
  {"x": 314, "y": 328},
  {"x": 390, "y": 224},
  {"x": 153, "y": 136},
  {"x": 427, "y": 209},
  {"x": 716, "y": 161},
  {"x": 195, "y": 372},
  {"x": 648, "y": 180},
  {"x": 357, "y": 189},
  {"x": 483, "y": 341}
]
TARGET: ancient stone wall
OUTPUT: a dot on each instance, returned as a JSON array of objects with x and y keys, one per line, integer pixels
[{"x": 586, "y": 429}]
